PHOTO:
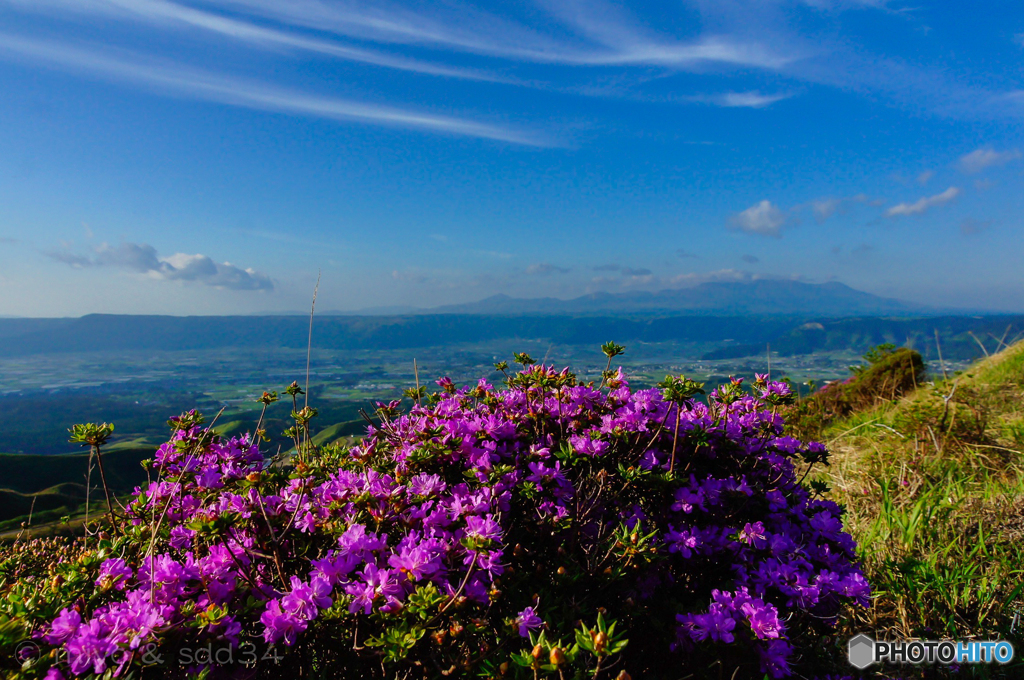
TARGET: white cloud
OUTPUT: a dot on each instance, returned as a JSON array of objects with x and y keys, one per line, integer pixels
[
  {"x": 409, "y": 276},
  {"x": 174, "y": 79},
  {"x": 923, "y": 204},
  {"x": 825, "y": 208},
  {"x": 762, "y": 218},
  {"x": 735, "y": 39},
  {"x": 751, "y": 100},
  {"x": 986, "y": 157},
  {"x": 970, "y": 226},
  {"x": 925, "y": 175},
  {"x": 601, "y": 35},
  {"x": 697, "y": 278},
  {"x": 162, "y": 13},
  {"x": 143, "y": 258},
  {"x": 545, "y": 269}
]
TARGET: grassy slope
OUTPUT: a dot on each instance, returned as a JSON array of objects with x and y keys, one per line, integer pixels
[
  {"x": 57, "y": 483},
  {"x": 933, "y": 484},
  {"x": 51, "y": 487}
]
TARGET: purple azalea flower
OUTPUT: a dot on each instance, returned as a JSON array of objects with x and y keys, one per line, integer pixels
[
  {"x": 527, "y": 620},
  {"x": 64, "y": 626},
  {"x": 113, "y": 573},
  {"x": 483, "y": 527},
  {"x": 281, "y": 625}
]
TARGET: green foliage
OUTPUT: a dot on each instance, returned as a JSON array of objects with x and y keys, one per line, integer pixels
[
  {"x": 933, "y": 484},
  {"x": 890, "y": 374},
  {"x": 90, "y": 434},
  {"x": 680, "y": 390},
  {"x": 612, "y": 349},
  {"x": 875, "y": 355}
]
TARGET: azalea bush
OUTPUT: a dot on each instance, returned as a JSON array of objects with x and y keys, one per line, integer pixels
[{"x": 550, "y": 528}]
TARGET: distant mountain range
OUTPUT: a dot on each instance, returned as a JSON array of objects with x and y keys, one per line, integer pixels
[
  {"x": 735, "y": 319},
  {"x": 763, "y": 297}
]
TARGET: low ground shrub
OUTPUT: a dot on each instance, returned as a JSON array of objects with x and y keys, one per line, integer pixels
[
  {"x": 552, "y": 528},
  {"x": 888, "y": 374}
]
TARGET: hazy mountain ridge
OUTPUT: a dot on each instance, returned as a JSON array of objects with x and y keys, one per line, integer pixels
[
  {"x": 739, "y": 317},
  {"x": 771, "y": 297},
  {"x": 734, "y": 336}
]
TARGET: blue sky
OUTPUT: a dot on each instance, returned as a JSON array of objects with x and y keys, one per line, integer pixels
[{"x": 193, "y": 156}]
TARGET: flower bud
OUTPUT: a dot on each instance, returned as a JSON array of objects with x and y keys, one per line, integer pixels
[
  {"x": 557, "y": 656},
  {"x": 503, "y": 668},
  {"x": 623, "y": 675},
  {"x": 561, "y": 571},
  {"x": 538, "y": 651},
  {"x": 600, "y": 642},
  {"x": 456, "y": 629}
]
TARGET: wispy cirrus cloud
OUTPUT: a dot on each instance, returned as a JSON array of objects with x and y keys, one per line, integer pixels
[
  {"x": 174, "y": 79},
  {"x": 749, "y": 100},
  {"x": 923, "y": 204},
  {"x": 588, "y": 37},
  {"x": 595, "y": 38},
  {"x": 593, "y": 33},
  {"x": 142, "y": 258},
  {"x": 171, "y": 15}
]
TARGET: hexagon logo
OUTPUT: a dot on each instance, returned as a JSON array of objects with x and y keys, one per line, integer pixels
[{"x": 861, "y": 651}]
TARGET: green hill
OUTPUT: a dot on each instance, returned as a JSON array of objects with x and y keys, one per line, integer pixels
[
  {"x": 933, "y": 484},
  {"x": 57, "y": 483}
]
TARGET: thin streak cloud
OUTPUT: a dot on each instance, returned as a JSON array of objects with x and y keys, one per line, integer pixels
[
  {"x": 749, "y": 100},
  {"x": 182, "y": 81},
  {"x": 921, "y": 205},
  {"x": 163, "y": 13},
  {"x": 597, "y": 42}
]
